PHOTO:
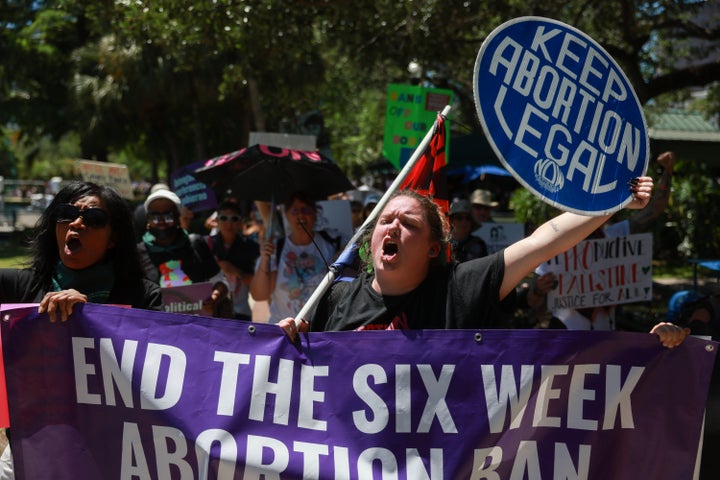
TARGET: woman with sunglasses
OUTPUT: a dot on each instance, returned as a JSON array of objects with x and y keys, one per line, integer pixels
[
  {"x": 83, "y": 251},
  {"x": 289, "y": 270},
  {"x": 235, "y": 255}
]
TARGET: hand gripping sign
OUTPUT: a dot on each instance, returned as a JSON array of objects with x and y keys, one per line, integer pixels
[{"x": 561, "y": 115}]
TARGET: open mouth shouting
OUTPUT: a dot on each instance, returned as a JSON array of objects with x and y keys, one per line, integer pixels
[
  {"x": 389, "y": 250},
  {"x": 72, "y": 244},
  {"x": 80, "y": 249}
]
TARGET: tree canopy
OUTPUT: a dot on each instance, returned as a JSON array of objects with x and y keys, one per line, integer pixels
[{"x": 174, "y": 81}]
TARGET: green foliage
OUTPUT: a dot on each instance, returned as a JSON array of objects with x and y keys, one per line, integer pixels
[
  {"x": 8, "y": 161},
  {"x": 170, "y": 82},
  {"x": 695, "y": 211},
  {"x": 529, "y": 209},
  {"x": 687, "y": 229},
  {"x": 13, "y": 254}
]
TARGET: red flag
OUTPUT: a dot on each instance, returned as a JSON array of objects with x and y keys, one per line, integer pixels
[{"x": 427, "y": 177}]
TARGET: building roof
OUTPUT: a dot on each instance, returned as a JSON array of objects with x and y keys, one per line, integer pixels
[{"x": 682, "y": 125}]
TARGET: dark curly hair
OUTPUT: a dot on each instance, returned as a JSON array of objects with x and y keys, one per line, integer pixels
[
  {"x": 123, "y": 256},
  {"x": 302, "y": 197}
]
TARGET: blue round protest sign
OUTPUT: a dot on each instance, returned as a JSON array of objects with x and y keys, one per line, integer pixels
[{"x": 561, "y": 115}]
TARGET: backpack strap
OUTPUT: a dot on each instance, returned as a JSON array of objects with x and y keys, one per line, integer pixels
[
  {"x": 334, "y": 241},
  {"x": 278, "y": 250}
]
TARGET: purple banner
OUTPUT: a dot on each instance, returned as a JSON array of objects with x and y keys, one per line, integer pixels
[{"x": 123, "y": 393}]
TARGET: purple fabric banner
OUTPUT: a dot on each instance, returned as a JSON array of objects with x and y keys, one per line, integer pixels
[{"x": 132, "y": 394}]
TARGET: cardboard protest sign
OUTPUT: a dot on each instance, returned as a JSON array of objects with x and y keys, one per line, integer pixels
[
  {"x": 304, "y": 143},
  {"x": 602, "y": 272},
  {"x": 500, "y": 235},
  {"x": 561, "y": 115},
  {"x": 128, "y": 393},
  {"x": 411, "y": 111},
  {"x": 186, "y": 298},
  {"x": 333, "y": 217},
  {"x": 104, "y": 173}
]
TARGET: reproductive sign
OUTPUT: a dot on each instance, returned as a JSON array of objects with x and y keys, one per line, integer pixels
[{"x": 561, "y": 115}]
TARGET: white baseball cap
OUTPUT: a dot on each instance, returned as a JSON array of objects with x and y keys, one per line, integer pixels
[{"x": 166, "y": 194}]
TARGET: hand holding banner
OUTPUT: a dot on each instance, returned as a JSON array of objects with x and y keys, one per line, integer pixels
[{"x": 123, "y": 393}]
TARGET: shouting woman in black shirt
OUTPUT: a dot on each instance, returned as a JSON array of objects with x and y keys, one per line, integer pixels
[{"x": 410, "y": 286}]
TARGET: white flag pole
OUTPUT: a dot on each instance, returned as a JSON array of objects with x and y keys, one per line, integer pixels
[{"x": 332, "y": 273}]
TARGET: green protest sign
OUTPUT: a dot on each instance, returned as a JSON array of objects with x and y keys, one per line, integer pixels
[{"x": 410, "y": 113}]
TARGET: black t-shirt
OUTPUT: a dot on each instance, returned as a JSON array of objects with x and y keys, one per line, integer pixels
[
  {"x": 460, "y": 295},
  {"x": 21, "y": 286},
  {"x": 242, "y": 253},
  {"x": 470, "y": 248},
  {"x": 191, "y": 250}
]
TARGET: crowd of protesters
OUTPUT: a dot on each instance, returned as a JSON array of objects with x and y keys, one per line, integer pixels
[
  {"x": 229, "y": 247},
  {"x": 419, "y": 269}
]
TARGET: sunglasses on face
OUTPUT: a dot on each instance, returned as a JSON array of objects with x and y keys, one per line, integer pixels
[
  {"x": 231, "y": 218},
  {"x": 157, "y": 218},
  {"x": 303, "y": 210},
  {"x": 92, "y": 217},
  {"x": 462, "y": 218}
]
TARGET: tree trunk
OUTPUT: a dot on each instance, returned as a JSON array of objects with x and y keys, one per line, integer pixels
[{"x": 257, "y": 111}]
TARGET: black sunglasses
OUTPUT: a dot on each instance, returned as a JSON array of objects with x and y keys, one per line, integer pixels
[
  {"x": 232, "y": 218},
  {"x": 92, "y": 217}
]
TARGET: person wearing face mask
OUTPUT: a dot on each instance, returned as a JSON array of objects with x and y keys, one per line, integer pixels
[
  {"x": 289, "y": 269},
  {"x": 171, "y": 257}
]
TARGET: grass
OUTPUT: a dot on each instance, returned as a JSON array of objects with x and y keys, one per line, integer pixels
[
  {"x": 13, "y": 255},
  {"x": 680, "y": 269}
]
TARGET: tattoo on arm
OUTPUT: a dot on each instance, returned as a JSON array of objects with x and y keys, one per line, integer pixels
[{"x": 555, "y": 226}]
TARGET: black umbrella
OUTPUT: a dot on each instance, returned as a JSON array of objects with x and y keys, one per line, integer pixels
[{"x": 262, "y": 172}]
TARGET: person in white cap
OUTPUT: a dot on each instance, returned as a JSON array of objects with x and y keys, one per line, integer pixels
[
  {"x": 171, "y": 257},
  {"x": 139, "y": 220}
]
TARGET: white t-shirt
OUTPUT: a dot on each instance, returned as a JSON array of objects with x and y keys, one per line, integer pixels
[
  {"x": 619, "y": 229},
  {"x": 240, "y": 294},
  {"x": 299, "y": 272},
  {"x": 603, "y": 319}
]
